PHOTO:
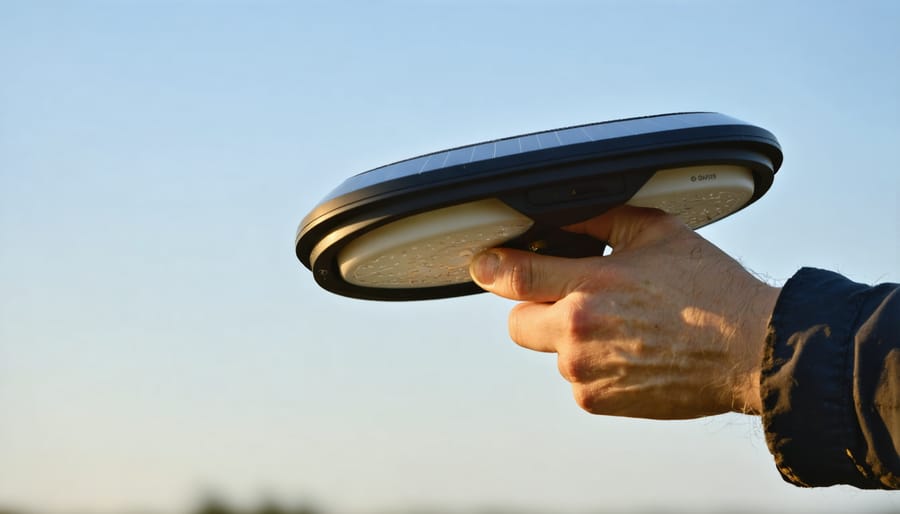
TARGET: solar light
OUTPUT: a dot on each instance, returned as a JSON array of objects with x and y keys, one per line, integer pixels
[{"x": 408, "y": 230}]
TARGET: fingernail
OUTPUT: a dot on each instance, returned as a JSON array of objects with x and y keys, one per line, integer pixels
[{"x": 484, "y": 267}]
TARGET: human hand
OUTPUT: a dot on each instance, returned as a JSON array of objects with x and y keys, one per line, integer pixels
[{"x": 667, "y": 327}]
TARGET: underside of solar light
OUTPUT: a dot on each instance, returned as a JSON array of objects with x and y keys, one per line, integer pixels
[{"x": 408, "y": 230}]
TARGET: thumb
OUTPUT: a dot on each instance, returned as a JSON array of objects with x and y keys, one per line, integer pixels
[{"x": 525, "y": 276}]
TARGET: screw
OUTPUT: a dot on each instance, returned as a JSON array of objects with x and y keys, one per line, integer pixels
[{"x": 538, "y": 245}]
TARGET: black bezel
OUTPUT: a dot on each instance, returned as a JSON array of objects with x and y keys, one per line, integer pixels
[{"x": 554, "y": 186}]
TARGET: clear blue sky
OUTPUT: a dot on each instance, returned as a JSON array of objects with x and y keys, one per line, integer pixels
[{"x": 159, "y": 338}]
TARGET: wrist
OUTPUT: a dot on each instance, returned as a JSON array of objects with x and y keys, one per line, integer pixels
[{"x": 750, "y": 349}]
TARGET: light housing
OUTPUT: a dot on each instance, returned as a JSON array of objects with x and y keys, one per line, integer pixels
[{"x": 406, "y": 231}]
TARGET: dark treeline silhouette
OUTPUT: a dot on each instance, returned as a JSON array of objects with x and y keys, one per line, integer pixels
[{"x": 217, "y": 506}]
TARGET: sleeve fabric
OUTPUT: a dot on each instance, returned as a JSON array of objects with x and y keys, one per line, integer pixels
[{"x": 830, "y": 382}]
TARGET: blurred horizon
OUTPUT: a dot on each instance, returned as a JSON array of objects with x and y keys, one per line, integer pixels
[{"x": 214, "y": 504}]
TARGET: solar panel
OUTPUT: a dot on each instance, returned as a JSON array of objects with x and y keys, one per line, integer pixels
[{"x": 534, "y": 142}]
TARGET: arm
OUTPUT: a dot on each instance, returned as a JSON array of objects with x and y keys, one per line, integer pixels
[
  {"x": 831, "y": 382},
  {"x": 666, "y": 327}
]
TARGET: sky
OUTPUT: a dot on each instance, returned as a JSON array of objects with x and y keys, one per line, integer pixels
[{"x": 159, "y": 339}]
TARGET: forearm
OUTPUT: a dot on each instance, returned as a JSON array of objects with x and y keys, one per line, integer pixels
[{"x": 830, "y": 382}]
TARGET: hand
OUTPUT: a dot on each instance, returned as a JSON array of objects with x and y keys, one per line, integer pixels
[{"x": 667, "y": 327}]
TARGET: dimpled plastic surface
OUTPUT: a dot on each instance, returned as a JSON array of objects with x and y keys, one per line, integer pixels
[
  {"x": 429, "y": 249},
  {"x": 699, "y": 195}
]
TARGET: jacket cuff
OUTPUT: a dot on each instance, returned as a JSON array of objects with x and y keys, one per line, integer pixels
[{"x": 807, "y": 381}]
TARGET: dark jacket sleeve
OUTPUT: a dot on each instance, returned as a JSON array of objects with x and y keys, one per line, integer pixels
[{"x": 830, "y": 382}]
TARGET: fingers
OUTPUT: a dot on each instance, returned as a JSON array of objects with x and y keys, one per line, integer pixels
[
  {"x": 535, "y": 326},
  {"x": 626, "y": 226},
  {"x": 532, "y": 277},
  {"x": 526, "y": 276}
]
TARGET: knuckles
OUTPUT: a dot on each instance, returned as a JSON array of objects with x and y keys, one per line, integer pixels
[
  {"x": 591, "y": 399},
  {"x": 575, "y": 366},
  {"x": 578, "y": 321},
  {"x": 606, "y": 398},
  {"x": 590, "y": 342},
  {"x": 583, "y": 320},
  {"x": 583, "y": 398},
  {"x": 520, "y": 278}
]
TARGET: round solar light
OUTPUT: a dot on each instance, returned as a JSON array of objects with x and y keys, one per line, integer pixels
[{"x": 408, "y": 230}]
